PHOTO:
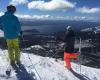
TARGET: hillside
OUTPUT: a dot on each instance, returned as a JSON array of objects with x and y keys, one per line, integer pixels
[{"x": 47, "y": 69}]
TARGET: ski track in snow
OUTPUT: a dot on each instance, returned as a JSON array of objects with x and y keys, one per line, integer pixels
[{"x": 47, "y": 68}]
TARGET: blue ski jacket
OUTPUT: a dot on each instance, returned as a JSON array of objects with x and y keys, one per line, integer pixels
[{"x": 10, "y": 25}]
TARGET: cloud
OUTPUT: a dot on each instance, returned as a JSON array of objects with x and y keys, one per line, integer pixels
[
  {"x": 47, "y": 16},
  {"x": 26, "y": 16},
  {"x": 88, "y": 10},
  {"x": 44, "y": 5},
  {"x": 1, "y": 13},
  {"x": 50, "y": 17},
  {"x": 17, "y": 2},
  {"x": 41, "y": 16},
  {"x": 75, "y": 18},
  {"x": 51, "y": 5},
  {"x": 82, "y": 18}
]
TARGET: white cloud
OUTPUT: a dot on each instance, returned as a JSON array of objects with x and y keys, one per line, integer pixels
[
  {"x": 76, "y": 18},
  {"x": 44, "y": 17},
  {"x": 1, "y": 13},
  {"x": 85, "y": 18},
  {"x": 17, "y": 2},
  {"x": 51, "y": 5},
  {"x": 42, "y": 5},
  {"x": 88, "y": 10},
  {"x": 26, "y": 16},
  {"x": 40, "y": 16},
  {"x": 80, "y": 18}
]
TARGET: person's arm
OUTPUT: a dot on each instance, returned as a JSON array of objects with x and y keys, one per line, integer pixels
[
  {"x": 18, "y": 26},
  {"x": 67, "y": 33},
  {"x": 1, "y": 24}
]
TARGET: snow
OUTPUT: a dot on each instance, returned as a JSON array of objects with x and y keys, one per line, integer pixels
[
  {"x": 97, "y": 29},
  {"x": 86, "y": 29},
  {"x": 47, "y": 68},
  {"x": 93, "y": 29},
  {"x": 36, "y": 47}
]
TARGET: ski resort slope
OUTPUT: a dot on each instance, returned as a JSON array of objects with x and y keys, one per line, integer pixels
[{"x": 45, "y": 68}]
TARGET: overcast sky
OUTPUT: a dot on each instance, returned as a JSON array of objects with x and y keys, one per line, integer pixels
[{"x": 55, "y": 9}]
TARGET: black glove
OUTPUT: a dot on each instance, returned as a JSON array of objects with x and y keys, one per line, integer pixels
[{"x": 21, "y": 33}]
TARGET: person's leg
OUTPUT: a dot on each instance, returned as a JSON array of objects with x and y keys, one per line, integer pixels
[
  {"x": 16, "y": 49},
  {"x": 67, "y": 61},
  {"x": 10, "y": 50},
  {"x": 68, "y": 64}
]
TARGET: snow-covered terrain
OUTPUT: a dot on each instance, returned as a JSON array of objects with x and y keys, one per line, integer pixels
[
  {"x": 93, "y": 29},
  {"x": 46, "y": 68}
]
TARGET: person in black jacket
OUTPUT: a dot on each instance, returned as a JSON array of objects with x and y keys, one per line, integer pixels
[
  {"x": 69, "y": 46},
  {"x": 69, "y": 40}
]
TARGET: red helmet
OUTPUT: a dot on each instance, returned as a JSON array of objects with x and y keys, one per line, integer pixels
[{"x": 11, "y": 8}]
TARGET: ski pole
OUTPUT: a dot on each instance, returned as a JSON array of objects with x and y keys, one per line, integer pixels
[
  {"x": 80, "y": 53},
  {"x": 32, "y": 63}
]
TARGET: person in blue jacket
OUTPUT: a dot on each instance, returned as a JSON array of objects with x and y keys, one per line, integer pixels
[{"x": 10, "y": 24}]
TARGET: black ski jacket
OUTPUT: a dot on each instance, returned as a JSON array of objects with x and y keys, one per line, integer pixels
[{"x": 69, "y": 41}]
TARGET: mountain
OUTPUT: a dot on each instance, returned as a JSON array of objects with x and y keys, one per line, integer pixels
[
  {"x": 91, "y": 36},
  {"x": 40, "y": 32},
  {"x": 92, "y": 29}
]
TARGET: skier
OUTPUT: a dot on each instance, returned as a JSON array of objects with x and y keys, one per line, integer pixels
[
  {"x": 10, "y": 24},
  {"x": 69, "y": 47}
]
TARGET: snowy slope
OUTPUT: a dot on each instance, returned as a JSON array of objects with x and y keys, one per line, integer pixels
[
  {"x": 93, "y": 29},
  {"x": 47, "y": 68}
]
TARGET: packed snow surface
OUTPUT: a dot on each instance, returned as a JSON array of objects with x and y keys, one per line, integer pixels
[{"x": 46, "y": 68}]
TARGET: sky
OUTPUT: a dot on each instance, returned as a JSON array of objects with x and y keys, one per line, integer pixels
[{"x": 54, "y": 9}]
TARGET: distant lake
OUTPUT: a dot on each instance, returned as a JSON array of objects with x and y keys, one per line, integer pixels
[{"x": 52, "y": 26}]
